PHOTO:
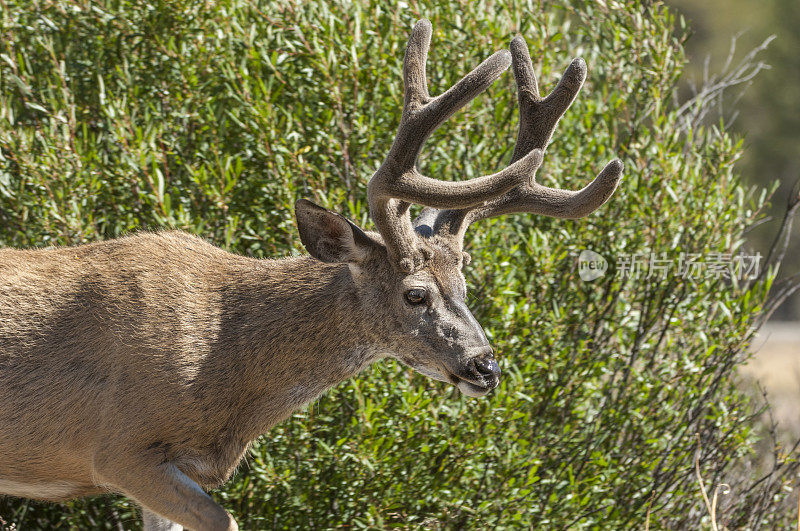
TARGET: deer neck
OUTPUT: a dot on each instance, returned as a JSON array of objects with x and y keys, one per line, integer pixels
[{"x": 294, "y": 329}]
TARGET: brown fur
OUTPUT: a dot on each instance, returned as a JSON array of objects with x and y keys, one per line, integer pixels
[{"x": 86, "y": 329}]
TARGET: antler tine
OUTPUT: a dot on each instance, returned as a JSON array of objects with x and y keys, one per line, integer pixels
[
  {"x": 554, "y": 202},
  {"x": 538, "y": 119},
  {"x": 397, "y": 183},
  {"x": 422, "y": 114}
]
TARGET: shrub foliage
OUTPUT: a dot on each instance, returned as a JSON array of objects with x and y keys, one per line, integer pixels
[{"x": 117, "y": 116}]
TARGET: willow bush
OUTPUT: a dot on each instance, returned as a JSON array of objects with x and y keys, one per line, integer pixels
[{"x": 119, "y": 116}]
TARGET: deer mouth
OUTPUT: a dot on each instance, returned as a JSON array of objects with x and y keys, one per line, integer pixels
[
  {"x": 477, "y": 378},
  {"x": 473, "y": 389}
]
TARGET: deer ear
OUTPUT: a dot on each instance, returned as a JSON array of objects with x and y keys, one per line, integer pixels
[{"x": 329, "y": 236}]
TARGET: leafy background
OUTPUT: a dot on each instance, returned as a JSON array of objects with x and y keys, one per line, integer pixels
[{"x": 119, "y": 116}]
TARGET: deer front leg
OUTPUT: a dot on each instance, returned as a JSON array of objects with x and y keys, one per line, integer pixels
[{"x": 169, "y": 498}]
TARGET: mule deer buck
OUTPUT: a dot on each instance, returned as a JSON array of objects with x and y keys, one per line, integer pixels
[{"x": 147, "y": 365}]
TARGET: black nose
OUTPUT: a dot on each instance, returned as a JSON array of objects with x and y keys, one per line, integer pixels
[{"x": 488, "y": 367}]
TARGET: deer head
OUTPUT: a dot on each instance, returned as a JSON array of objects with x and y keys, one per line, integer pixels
[{"x": 408, "y": 275}]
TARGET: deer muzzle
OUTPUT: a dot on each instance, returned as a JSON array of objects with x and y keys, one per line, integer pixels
[{"x": 478, "y": 376}]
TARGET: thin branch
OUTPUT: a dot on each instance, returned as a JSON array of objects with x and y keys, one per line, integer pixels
[
  {"x": 692, "y": 112},
  {"x": 754, "y": 226},
  {"x": 786, "y": 288},
  {"x": 784, "y": 232}
]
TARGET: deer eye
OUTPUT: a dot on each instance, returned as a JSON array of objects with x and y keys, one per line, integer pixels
[{"x": 416, "y": 296}]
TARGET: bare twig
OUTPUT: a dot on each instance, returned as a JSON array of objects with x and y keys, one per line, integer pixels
[
  {"x": 762, "y": 221},
  {"x": 711, "y": 93},
  {"x": 784, "y": 231},
  {"x": 782, "y": 291},
  {"x": 700, "y": 480},
  {"x": 726, "y": 489}
]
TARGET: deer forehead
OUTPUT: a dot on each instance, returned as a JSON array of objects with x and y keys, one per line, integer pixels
[{"x": 446, "y": 278}]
